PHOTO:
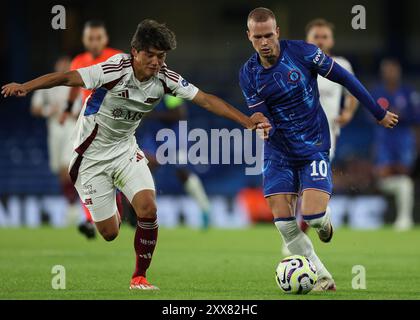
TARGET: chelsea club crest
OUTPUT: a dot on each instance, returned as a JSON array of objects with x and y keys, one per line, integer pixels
[{"x": 293, "y": 76}]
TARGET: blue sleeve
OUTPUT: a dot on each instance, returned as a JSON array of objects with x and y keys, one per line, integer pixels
[
  {"x": 340, "y": 75},
  {"x": 313, "y": 57},
  {"x": 254, "y": 102}
]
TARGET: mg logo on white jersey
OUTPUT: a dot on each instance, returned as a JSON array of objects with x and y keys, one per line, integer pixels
[{"x": 120, "y": 113}]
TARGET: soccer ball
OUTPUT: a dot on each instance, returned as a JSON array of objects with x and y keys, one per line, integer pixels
[{"x": 296, "y": 275}]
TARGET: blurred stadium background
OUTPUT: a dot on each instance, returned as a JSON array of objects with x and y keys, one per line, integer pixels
[{"x": 212, "y": 45}]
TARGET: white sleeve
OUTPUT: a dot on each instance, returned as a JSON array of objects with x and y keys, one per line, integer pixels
[
  {"x": 177, "y": 85},
  {"x": 102, "y": 73},
  {"x": 93, "y": 77}
]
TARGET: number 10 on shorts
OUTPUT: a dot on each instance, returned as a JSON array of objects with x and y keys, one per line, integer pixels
[{"x": 319, "y": 168}]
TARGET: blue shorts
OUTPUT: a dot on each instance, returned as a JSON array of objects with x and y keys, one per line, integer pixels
[
  {"x": 285, "y": 177},
  {"x": 401, "y": 152}
]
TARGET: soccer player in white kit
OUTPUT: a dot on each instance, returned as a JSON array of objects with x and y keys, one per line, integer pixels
[
  {"x": 321, "y": 33},
  {"x": 50, "y": 104},
  {"x": 106, "y": 154}
]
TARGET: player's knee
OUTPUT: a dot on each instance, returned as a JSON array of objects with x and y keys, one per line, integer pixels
[
  {"x": 109, "y": 235},
  {"x": 148, "y": 210},
  {"x": 307, "y": 210},
  {"x": 281, "y": 211},
  {"x": 145, "y": 205},
  {"x": 315, "y": 203}
]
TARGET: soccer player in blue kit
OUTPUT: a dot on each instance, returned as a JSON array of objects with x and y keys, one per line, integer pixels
[
  {"x": 280, "y": 82},
  {"x": 395, "y": 152}
]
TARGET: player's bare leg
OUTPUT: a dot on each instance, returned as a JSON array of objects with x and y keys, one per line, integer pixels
[
  {"x": 145, "y": 237},
  {"x": 316, "y": 213},
  {"x": 283, "y": 208},
  {"x": 110, "y": 227}
]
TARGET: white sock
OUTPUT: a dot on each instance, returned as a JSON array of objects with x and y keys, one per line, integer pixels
[
  {"x": 318, "y": 221},
  {"x": 402, "y": 187},
  {"x": 195, "y": 189},
  {"x": 298, "y": 243}
]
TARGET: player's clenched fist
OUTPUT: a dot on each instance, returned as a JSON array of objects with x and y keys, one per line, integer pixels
[
  {"x": 14, "y": 89},
  {"x": 263, "y": 125},
  {"x": 390, "y": 120}
]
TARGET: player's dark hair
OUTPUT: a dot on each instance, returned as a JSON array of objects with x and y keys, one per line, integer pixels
[
  {"x": 319, "y": 22},
  {"x": 95, "y": 24},
  {"x": 390, "y": 60},
  {"x": 63, "y": 57},
  {"x": 151, "y": 34},
  {"x": 261, "y": 14}
]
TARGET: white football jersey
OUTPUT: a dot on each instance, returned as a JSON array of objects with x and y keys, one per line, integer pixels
[
  {"x": 59, "y": 136},
  {"x": 113, "y": 111},
  {"x": 53, "y": 99},
  {"x": 330, "y": 93}
]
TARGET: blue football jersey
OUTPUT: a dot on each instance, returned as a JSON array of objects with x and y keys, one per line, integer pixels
[
  {"x": 397, "y": 146},
  {"x": 404, "y": 101},
  {"x": 289, "y": 92}
]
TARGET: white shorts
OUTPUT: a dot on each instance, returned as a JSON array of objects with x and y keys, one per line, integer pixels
[
  {"x": 97, "y": 181},
  {"x": 60, "y": 145}
]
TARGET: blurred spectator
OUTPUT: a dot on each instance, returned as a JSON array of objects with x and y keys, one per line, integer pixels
[
  {"x": 50, "y": 104},
  {"x": 395, "y": 150}
]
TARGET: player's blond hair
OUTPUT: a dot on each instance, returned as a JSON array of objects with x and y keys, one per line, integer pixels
[{"x": 260, "y": 14}]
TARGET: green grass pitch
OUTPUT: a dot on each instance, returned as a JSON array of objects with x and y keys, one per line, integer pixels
[{"x": 192, "y": 264}]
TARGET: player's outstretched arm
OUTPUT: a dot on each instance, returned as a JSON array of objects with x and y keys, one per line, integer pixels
[
  {"x": 71, "y": 79},
  {"x": 342, "y": 76},
  {"x": 222, "y": 108}
]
